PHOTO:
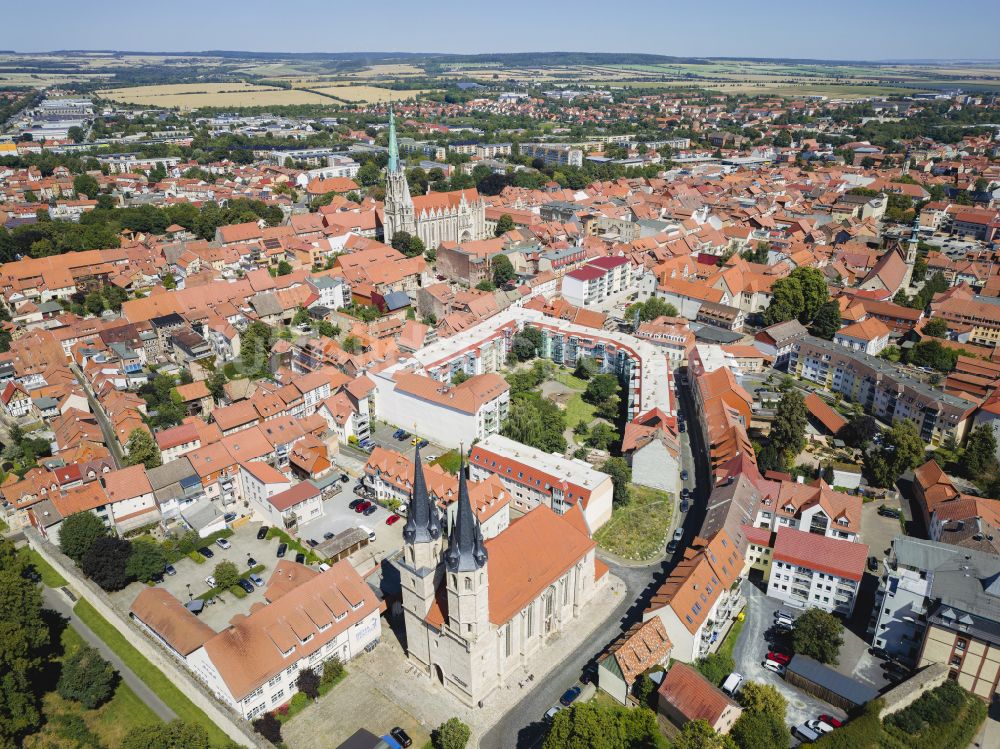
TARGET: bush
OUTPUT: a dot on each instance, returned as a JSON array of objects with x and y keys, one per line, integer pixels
[
  {"x": 269, "y": 727},
  {"x": 237, "y": 591},
  {"x": 716, "y": 667},
  {"x": 452, "y": 734},
  {"x": 308, "y": 683},
  {"x": 333, "y": 670},
  {"x": 87, "y": 678}
]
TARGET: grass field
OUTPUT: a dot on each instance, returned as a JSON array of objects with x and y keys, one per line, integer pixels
[
  {"x": 106, "y": 725},
  {"x": 196, "y": 95},
  {"x": 450, "y": 461},
  {"x": 50, "y": 577},
  {"x": 154, "y": 678},
  {"x": 638, "y": 530}
]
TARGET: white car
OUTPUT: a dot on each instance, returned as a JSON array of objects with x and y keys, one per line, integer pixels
[
  {"x": 774, "y": 666},
  {"x": 819, "y": 726},
  {"x": 783, "y": 618},
  {"x": 210, "y": 581},
  {"x": 223, "y": 543}
]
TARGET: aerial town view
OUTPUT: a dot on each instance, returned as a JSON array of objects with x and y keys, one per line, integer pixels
[{"x": 644, "y": 395}]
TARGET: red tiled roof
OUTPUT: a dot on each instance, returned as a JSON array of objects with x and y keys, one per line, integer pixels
[{"x": 833, "y": 556}]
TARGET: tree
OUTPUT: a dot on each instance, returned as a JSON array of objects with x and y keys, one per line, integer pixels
[
  {"x": 268, "y": 726},
  {"x": 84, "y": 184},
  {"x": 788, "y": 429},
  {"x": 173, "y": 735},
  {"x": 226, "y": 574},
  {"x": 142, "y": 449},
  {"x": 819, "y": 635},
  {"x": 106, "y": 562},
  {"x": 600, "y": 388},
  {"x": 76, "y": 134},
  {"x": 698, "y": 734},
  {"x": 459, "y": 377},
  {"x": 452, "y": 734},
  {"x": 754, "y": 729},
  {"x": 936, "y": 327},
  {"x": 644, "y": 688},
  {"x": 979, "y": 459},
  {"x": 216, "y": 383},
  {"x": 486, "y": 285},
  {"x": 586, "y": 367},
  {"x": 715, "y": 666},
  {"x": 369, "y": 174},
  {"x": 352, "y": 344},
  {"x": 757, "y": 255},
  {"x": 858, "y": 430},
  {"x": 94, "y": 303},
  {"x": 255, "y": 349},
  {"x": 758, "y": 697},
  {"x": 621, "y": 474},
  {"x": 78, "y": 533},
  {"x": 588, "y": 724},
  {"x": 308, "y": 683},
  {"x": 87, "y": 678},
  {"x": 301, "y": 317},
  {"x": 284, "y": 268},
  {"x": 333, "y": 669},
  {"x": 799, "y": 295},
  {"x": 522, "y": 348},
  {"x": 601, "y": 436},
  {"x": 827, "y": 321},
  {"x": 651, "y": 309},
  {"x": 169, "y": 282},
  {"x": 24, "y": 640},
  {"x": 902, "y": 449},
  {"x": 147, "y": 559},
  {"x": 503, "y": 270},
  {"x": 504, "y": 224}
]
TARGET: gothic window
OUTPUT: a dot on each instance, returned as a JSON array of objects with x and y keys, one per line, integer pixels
[{"x": 468, "y": 582}]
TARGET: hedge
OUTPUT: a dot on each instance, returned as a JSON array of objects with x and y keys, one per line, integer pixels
[{"x": 212, "y": 593}]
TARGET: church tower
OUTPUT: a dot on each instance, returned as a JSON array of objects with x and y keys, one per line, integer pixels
[
  {"x": 466, "y": 571},
  {"x": 420, "y": 576},
  {"x": 398, "y": 209},
  {"x": 911, "y": 252}
]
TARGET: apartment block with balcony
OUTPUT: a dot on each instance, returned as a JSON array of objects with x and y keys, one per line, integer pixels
[
  {"x": 813, "y": 571},
  {"x": 597, "y": 282}
]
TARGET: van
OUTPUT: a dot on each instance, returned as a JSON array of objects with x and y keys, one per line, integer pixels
[
  {"x": 732, "y": 683},
  {"x": 805, "y": 733},
  {"x": 369, "y": 531}
]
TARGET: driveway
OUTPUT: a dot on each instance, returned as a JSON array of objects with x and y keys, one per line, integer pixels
[{"x": 752, "y": 648}]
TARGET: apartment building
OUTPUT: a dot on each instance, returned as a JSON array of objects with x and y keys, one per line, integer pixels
[
  {"x": 597, "y": 281},
  {"x": 553, "y": 154},
  {"x": 533, "y": 477},
  {"x": 252, "y": 665},
  {"x": 450, "y": 415},
  {"x": 982, "y": 314},
  {"x": 869, "y": 335},
  {"x": 813, "y": 571},
  {"x": 811, "y": 508},
  {"x": 883, "y": 390}
]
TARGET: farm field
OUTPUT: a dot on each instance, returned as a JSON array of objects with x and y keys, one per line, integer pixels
[
  {"x": 195, "y": 95},
  {"x": 366, "y": 94}
]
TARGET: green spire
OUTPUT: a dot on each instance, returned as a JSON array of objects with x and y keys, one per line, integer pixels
[{"x": 393, "y": 148}]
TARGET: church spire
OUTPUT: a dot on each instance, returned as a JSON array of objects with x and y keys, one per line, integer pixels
[
  {"x": 466, "y": 551},
  {"x": 393, "y": 146},
  {"x": 423, "y": 523}
]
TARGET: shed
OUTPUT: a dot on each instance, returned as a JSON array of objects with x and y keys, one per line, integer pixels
[{"x": 827, "y": 684}]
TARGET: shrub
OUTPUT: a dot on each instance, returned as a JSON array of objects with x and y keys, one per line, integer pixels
[
  {"x": 87, "y": 678},
  {"x": 237, "y": 591},
  {"x": 308, "y": 683},
  {"x": 333, "y": 669},
  {"x": 269, "y": 726},
  {"x": 195, "y": 557}
]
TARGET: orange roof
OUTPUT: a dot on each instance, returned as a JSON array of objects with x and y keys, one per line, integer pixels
[
  {"x": 126, "y": 483},
  {"x": 193, "y": 391},
  {"x": 834, "y": 556},
  {"x": 832, "y": 421},
  {"x": 868, "y": 329},
  {"x": 692, "y": 695},
  {"x": 168, "y": 617},
  {"x": 469, "y": 396}
]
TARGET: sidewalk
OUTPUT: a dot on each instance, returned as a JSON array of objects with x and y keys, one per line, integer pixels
[{"x": 56, "y": 600}]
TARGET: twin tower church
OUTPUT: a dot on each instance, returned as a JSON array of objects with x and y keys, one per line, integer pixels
[
  {"x": 477, "y": 610},
  {"x": 458, "y": 216}
]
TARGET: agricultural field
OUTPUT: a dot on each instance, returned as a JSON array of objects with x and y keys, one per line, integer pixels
[
  {"x": 195, "y": 95},
  {"x": 366, "y": 94}
]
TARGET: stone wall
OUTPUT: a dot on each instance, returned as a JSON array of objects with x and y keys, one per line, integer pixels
[
  {"x": 236, "y": 728},
  {"x": 911, "y": 690}
]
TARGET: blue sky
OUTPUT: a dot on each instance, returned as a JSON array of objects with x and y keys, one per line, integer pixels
[{"x": 848, "y": 29}]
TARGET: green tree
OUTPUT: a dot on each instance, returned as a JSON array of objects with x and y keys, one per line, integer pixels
[
  {"x": 284, "y": 268},
  {"x": 87, "y": 678},
  {"x": 594, "y": 726},
  {"x": 216, "y": 383},
  {"x": 754, "y": 729},
  {"x": 827, "y": 321},
  {"x": 169, "y": 282},
  {"x": 452, "y": 734},
  {"x": 932, "y": 353},
  {"x": 504, "y": 224},
  {"x": 503, "y": 270},
  {"x": 858, "y": 430},
  {"x": 173, "y": 735},
  {"x": 797, "y": 296},
  {"x": 757, "y": 255},
  {"x": 715, "y": 666},
  {"x": 78, "y": 533},
  {"x": 84, "y": 184},
  {"x": 94, "y": 303},
  {"x": 902, "y": 450},
  {"x": 352, "y": 344},
  {"x": 979, "y": 459},
  {"x": 105, "y": 562},
  {"x": 486, "y": 285},
  {"x": 643, "y": 689},
  {"x": 226, "y": 574},
  {"x": 24, "y": 640},
  {"x": 301, "y": 317},
  {"x": 650, "y": 309},
  {"x": 369, "y": 174},
  {"x": 147, "y": 559},
  {"x": 621, "y": 474},
  {"x": 308, "y": 683},
  {"x": 76, "y": 134},
  {"x": 698, "y": 734},
  {"x": 333, "y": 669},
  {"x": 819, "y": 635},
  {"x": 936, "y": 327},
  {"x": 601, "y": 436},
  {"x": 522, "y": 348},
  {"x": 459, "y": 377},
  {"x": 255, "y": 349},
  {"x": 758, "y": 697},
  {"x": 141, "y": 448},
  {"x": 600, "y": 388},
  {"x": 788, "y": 429}
]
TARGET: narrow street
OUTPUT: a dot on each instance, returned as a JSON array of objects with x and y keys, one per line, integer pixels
[{"x": 110, "y": 439}]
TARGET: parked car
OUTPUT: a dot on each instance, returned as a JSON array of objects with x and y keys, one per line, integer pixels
[
  {"x": 569, "y": 696},
  {"x": 685, "y": 505},
  {"x": 889, "y": 512},
  {"x": 830, "y": 720},
  {"x": 684, "y": 475},
  {"x": 300, "y": 558},
  {"x": 354, "y": 503},
  {"x": 401, "y": 736},
  {"x": 872, "y": 564},
  {"x": 262, "y": 532},
  {"x": 206, "y": 552},
  {"x": 685, "y": 491},
  {"x": 675, "y": 541},
  {"x": 423, "y": 443},
  {"x": 782, "y": 658},
  {"x": 328, "y": 535},
  {"x": 210, "y": 581},
  {"x": 819, "y": 726},
  {"x": 313, "y": 542},
  {"x": 431, "y": 458},
  {"x": 282, "y": 548},
  {"x": 783, "y": 618},
  {"x": 732, "y": 683},
  {"x": 896, "y": 670},
  {"x": 551, "y": 713},
  {"x": 370, "y": 510},
  {"x": 251, "y": 562},
  {"x": 157, "y": 578},
  {"x": 344, "y": 478},
  {"x": 681, "y": 428},
  {"x": 257, "y": 580},
  {"x": 229, "y": 517},
  {"x": 804, "y": 733},
  {"x": 392, "y": 519},
  {"x": 880, "y": 653},
  {"x": 223, "y": 543},
  {"x": 415, "y": 441},
  {"x": 246, "y": 585},
  {"x": 169, "y": 569},
  {"x": 362, "y": 506},
  {"x": 774, "y": 666}
]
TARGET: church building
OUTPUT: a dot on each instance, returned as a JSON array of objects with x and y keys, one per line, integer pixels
[
  {"x": 476, "y": 611},
  {"x": 456, "y": 216}
]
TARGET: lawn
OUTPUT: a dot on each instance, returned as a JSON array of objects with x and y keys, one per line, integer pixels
[
  {"x": 50, "y": 577},
  {"x": 638, "y": 530},
  {"x": 451, "y": 461},
  {"x": 577, "y": 410},
  {"x": 565, "y": 377},
  {"x": 154, "y": 678},
  {"x": 106, "y": 725}
]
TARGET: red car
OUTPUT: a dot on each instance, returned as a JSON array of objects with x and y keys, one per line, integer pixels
[
  {"x": 391, "y": 519},
  {"x": 830, "y": 721},
  {"x": 781, "y": 658},
  {"x": 363, "y": 506}
]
